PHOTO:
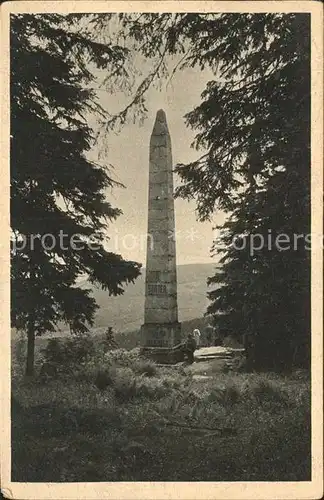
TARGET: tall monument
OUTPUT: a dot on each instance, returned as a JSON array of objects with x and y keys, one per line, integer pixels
[{"x": 161, "y": 330}]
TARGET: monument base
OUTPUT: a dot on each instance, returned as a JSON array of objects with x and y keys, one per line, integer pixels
[
  {"x": 161, "y": 334},
  {"x": 159, "y": 342}
]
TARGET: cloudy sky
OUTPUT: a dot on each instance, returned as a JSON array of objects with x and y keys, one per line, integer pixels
[{"x": 128, "y": 152}]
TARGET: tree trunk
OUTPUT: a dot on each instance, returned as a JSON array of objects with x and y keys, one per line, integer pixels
[
  {"x": 249, "y": 346},
  {"x": 30, "y": 347}
]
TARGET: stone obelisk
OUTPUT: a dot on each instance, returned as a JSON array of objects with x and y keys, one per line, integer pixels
[{"x": 161, "y": 330}]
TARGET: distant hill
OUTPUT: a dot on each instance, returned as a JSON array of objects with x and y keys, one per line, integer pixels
[{"x": 126, "y": 312}]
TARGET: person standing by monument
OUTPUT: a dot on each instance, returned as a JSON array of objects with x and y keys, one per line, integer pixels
[
  {"x": 197, "y": 335},
  {"x": 189, "y": 348}
]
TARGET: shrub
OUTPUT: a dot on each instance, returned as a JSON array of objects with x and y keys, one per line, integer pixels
[
  {"x": 54, "y": 352},
  {"x": 145, "y": 367},
  {"x": 124, "y": 384},
  {"x": 151, "y": 388},
  {"x": 123, "y": 357},
  {"x": 104, "y": 378},
  {"x": 265, "y": 391},
  {"x": 127, "y": 385},
  {"x": 65, "y": 352},
  {"x": 226, "y": 396},
  {"x": 48, "y": 371},
  {"x": 109, "y": 341},
  {"x": 80, "y": 348}
]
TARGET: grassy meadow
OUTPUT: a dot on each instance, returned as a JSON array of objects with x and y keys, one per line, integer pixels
[{"x": 118, "y": 417}]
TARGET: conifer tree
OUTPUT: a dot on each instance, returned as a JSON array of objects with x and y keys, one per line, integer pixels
[
  {"x": 263, "y": 286},
  {"x": 59, "y": 211},
  {"x": 253, "y": 128}
]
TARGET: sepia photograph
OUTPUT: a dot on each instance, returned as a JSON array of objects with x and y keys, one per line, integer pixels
[{"x": 164, "y": 246}]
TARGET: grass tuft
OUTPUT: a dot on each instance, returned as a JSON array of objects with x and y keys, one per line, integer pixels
[{"x": 265, "y": 391}]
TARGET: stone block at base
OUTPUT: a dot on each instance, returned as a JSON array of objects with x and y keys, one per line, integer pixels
[{"x": 161, "y": 335}]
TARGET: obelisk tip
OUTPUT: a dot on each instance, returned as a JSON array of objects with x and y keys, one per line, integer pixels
[
  {"x": 160, "y": 125},
  {"x": 160, "y": 115}
]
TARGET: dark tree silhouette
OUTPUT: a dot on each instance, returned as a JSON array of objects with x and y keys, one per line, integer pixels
[{"x": 55, "y": 189}]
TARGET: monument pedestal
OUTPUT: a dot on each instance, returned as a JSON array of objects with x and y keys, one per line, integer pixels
[{"x": 159, "y": 342}]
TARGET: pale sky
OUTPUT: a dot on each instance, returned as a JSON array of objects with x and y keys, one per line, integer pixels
[{"x": 128, "y": 152}]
